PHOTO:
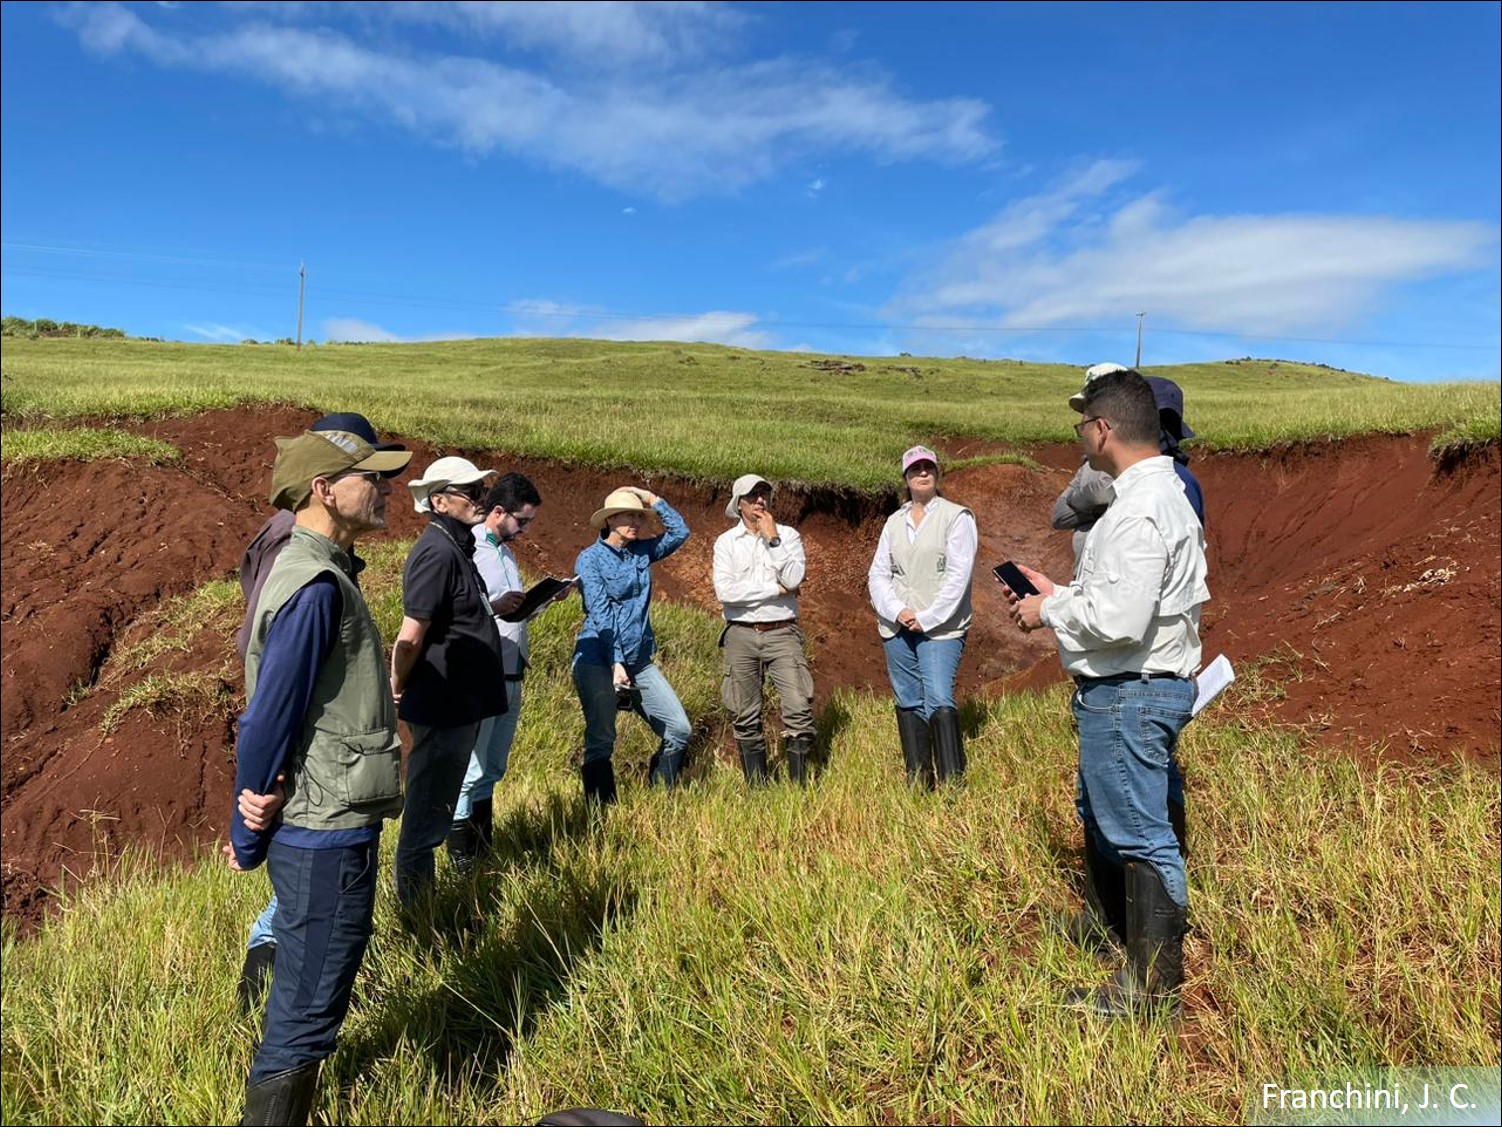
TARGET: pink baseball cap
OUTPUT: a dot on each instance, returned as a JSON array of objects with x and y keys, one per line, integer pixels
[{"x": 914, "y": 454}]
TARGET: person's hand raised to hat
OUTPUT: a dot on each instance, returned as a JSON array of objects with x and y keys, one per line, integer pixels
[{"x": 647, "y": 498}]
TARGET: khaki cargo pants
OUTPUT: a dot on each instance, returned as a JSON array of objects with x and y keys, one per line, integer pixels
[{"x": 750, "y": 658}]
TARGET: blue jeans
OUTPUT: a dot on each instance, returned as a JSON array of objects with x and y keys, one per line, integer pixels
[
  {"x": 922, "y": 670},
  {"x": 435, "y": 770},
  {"x": 261, "y": 931},
  {"x": 325, "y": 904},
  {"x": 657, "y": 705},
  {"x": 1128, "y": 730},
  {"x": 487, "y": 764}
]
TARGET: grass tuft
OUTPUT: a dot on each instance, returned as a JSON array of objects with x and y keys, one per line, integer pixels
[{"x": 36, "y": 445}]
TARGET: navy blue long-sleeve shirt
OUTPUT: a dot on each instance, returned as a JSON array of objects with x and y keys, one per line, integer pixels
[{"x": 297, "y": 644}]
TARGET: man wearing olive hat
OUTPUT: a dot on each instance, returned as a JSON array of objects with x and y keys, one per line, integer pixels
[
  {"x": 447, "y": 666},
  {"x": 260, "y": 812},
  {"x": 758, "y": 571},
  {"x": 320, "y": 719}
]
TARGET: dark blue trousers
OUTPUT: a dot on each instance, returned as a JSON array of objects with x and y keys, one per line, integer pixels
[{"x": 324, "y": 918}]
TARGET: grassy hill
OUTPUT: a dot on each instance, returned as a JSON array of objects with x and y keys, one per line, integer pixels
[
  {"x": 705, "y": 410},
  {"x": 855, "y": 954}
]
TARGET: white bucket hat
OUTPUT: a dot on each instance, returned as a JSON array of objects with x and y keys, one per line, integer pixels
[
  {"x": 739, "y": 490},
  {"x": 440, "y": 474}
]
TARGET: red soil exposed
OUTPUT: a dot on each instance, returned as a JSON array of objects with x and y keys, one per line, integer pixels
[{"x": 1370, "y": 577}]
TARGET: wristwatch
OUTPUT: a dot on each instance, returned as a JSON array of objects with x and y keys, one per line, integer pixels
[{"x": 775, "y": 541}]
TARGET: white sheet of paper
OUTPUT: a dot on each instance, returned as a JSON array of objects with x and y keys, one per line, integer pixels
[{"x": 1211, "y": 681}]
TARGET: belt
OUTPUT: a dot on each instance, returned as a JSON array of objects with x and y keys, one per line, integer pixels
[
  {"x": 766, "y": 627},
  {"x": 1144, "y": 676}
]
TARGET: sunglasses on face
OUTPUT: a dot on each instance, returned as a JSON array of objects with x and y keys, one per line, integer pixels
[
  {"x": 372, "y": 477},
  {"x": 469, "y": 492}
]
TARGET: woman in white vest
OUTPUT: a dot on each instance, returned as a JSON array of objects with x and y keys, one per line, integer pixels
[{"x": 920, "y": 589}]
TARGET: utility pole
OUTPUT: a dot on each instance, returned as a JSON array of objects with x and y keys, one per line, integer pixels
[
  {"x": 1137, "y": 366},
  {"x": 302, "y": 287}
]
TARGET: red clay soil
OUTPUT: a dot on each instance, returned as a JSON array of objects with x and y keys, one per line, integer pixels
[{"x": 1369, "y": 577}]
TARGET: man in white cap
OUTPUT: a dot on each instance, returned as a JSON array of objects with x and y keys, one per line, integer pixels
[
  {"x": 447, "y": 666},
  {"x": 758, "y": 571},
  {"x": 1128, "y": 632}
]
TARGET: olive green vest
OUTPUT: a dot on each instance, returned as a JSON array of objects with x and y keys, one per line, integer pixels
[
  {"x": 918, "y": 566},
  {"x": 345, "y": 771}
]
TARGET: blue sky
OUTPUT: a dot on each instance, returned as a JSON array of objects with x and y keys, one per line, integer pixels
[{"x": 1305, "y": 181}]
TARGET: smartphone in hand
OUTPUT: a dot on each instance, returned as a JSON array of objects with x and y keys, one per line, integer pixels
[{"x": 1015, "y": 580}]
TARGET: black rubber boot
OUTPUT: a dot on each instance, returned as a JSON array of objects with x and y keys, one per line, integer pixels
[
  {"x": 480, "y": 815},
  {"x": 669, "y": 767},
  {"x": 1153, "y": 974},
  {"x": 1180, "y": 826},
  {"x": 949, "y": 743},
  {"x": 1102, "y": 923},
  {"x": 255, "y": 976},
  {"x": 753, "y": 760},
  {"x": 463, "y": 846},
  {"x": 599, "y": 782},
  {"x": 912, "y": 731},
  {"x": 800, "y": 754},
  {"x": 282, "y": 1099}
]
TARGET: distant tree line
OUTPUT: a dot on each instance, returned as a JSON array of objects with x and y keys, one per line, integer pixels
[{"x": 47, "y": 327}]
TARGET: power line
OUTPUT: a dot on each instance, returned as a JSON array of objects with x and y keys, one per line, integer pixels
[{"x": 513, "y": 308}]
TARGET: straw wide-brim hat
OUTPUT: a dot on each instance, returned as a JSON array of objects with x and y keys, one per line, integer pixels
[{"x": 617, "y": 501}]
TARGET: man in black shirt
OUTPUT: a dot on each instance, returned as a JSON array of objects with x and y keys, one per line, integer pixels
[{"x": 446, "y": 665}]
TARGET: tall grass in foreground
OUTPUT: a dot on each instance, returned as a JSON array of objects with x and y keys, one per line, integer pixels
[
  {"x": 805, "y": 422},
  {"x": 849, "y": 954}
]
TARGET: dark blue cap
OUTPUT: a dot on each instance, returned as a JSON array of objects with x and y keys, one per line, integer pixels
[{"x": 355, "y": 425}]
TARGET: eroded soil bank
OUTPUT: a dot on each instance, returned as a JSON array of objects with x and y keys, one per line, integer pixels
[{"x": 1370, "y": 578}]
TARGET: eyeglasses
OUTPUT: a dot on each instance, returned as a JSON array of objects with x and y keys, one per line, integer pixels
[
  {"x": 469, "y": 492},
  {"x": 367, "y": 476},
  {"x": 1079, "y": 429},
  {"x": 522, "y": 521}
]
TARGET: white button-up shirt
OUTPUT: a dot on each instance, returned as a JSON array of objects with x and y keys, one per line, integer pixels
[
  {"x": 755, "y": 582},
  {"x": 1134, "y": 605},
  {"x": 497, "y": 566}
]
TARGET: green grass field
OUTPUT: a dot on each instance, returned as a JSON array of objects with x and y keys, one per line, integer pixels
[
  {"x": 852, "y": 954},
  {"x": 703, "y": 410}
]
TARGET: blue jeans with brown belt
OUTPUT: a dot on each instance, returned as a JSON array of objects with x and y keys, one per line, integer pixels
[{"x": 1128, "y": 729}]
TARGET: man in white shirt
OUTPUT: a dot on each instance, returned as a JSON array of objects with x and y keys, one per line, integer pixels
[
  {"x": 1128, "y": 632},
  {"x": 758, "y": 571},
  {"x": 510, "y": 507}
]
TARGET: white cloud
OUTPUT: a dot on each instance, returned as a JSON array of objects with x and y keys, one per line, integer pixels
[
  {"x": 1059, "y": 258},
  {"x": 213, "y": 331},
  {"x": 603, "y": 32},
  {"x": 801, "y": 258},
  {"x": 720, "y": 328},
  {"x": 629, "y": 210},
  {"x": 671, "y": 132},
  {"x": 539, "y": 317},
  {"x": 354, "y": 329},
  {"x": 814, "y": 187}
]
